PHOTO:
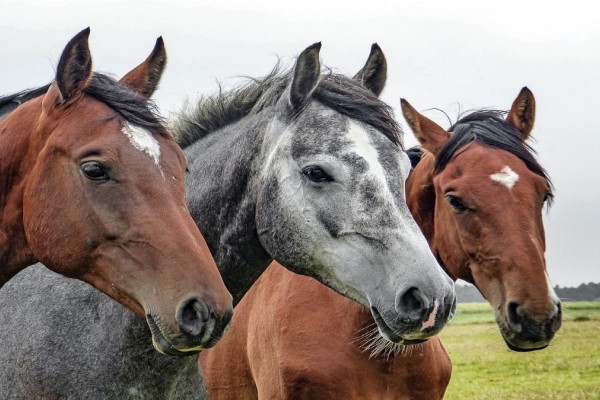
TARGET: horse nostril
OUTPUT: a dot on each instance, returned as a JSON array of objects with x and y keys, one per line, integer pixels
[
  {"x": 513, "y": 316},
  {"x": 556, "y": 320},
  {"x": 192, "y": 316},
  {"x": 412, "y": 304},
  {"x": 226, "y": 319},
  {"x": 558, "y": 310}
]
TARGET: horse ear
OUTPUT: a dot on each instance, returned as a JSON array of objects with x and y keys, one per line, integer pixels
[
  {"x": 522, "y": 113},
  {"x": 145, "y": 77},
  {"x": 75, "y": 66},
  {"x": 431, "y": 136},
  {"x": 374, "y": 74},
  {"x": 306, "y": 75}
]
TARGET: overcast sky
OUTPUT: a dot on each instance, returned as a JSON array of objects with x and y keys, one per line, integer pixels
[{"x": 446, "y": 54}]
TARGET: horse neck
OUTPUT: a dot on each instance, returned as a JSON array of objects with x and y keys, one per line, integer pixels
[
  {"x": 20, "y": 143},
  {"x": 222, "y": 200}
]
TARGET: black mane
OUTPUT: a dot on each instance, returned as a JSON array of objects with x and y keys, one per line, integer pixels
[
  {"x": 415, "y": 154},
  {"x": 131, "y": 106},
  {"x": 489, "y": 128},
  {"x": 336, "y": 91},
  {"x": 10, "y": 102}
]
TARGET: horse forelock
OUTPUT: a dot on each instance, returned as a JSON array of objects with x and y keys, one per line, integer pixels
[
  {"x": 129, "y": 104},
  {"x": 338, "y": 92},
  {"x": 350, "y": 98},
  {"x": 489, "y": 128}
]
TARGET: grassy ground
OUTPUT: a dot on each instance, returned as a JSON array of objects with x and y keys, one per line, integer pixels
[{"x": 484, "y": 368}]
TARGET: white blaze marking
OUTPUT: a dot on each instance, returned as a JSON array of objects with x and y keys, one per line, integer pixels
[
  {"x": 506, "y": 177},
  {"x": 365, "y": 148},
  {"x": 143, "y": 141}
]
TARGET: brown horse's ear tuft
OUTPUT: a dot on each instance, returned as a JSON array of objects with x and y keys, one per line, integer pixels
[
  {"x": 522, "y": 113},
  {"x": 374, "y": 74},
  {"x": 75, "y": 66},
  {"x": 145, "y": 77},
  {"x": 431, "y": 136},
  {"x": 306, "y": 76}
]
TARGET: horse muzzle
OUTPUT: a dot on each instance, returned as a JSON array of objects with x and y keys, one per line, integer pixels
[
  {"x": 523, "y": 333},
  {"x": 416, "y": 321},
  {"x": 199, "y": 329}
]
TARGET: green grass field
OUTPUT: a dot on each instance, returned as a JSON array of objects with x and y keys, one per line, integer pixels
[{"x": 484, "y": 368}]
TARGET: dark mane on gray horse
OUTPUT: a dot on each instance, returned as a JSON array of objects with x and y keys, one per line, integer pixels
[{"x": 338, "y": 92}]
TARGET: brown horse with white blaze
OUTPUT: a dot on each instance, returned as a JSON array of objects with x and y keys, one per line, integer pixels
[
  {"x": 91, "y": 184},
  {"x": 277, "y": 348},
  {"x": 487, "y": 193}
]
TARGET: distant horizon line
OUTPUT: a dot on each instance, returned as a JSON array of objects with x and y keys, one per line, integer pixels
[{"x": 467, "y": 284}]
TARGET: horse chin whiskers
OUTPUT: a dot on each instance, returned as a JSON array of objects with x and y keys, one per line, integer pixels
[{"x": 371, "y": 341}]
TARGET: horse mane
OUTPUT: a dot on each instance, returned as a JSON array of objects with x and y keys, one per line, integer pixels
[
  {"x": 10, "y": 102},
  {"x": 415, "y": 154},
  {"x": 336, "y": 91},
  {"x": 489, "y": 128},
  {"x": 131, "y": 106}
]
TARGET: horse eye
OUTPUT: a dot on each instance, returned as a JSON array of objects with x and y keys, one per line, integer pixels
[
  {"x": 94, "y": 171},
  {"x": 456, "y": 203},
  {"x": 316, "y": 174}
]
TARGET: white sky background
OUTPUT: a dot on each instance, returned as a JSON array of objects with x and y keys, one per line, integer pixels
[{"x": 446, "y": 54}]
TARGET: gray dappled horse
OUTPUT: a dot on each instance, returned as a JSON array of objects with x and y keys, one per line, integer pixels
[
  {"x": 302, "y": 167},
  {"x": 307, "y": 169}
]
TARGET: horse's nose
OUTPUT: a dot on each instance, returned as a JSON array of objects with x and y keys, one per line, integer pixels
[
  {"x": 192, "y": 315},
  {"x": 520, "y": 322},
  {"x": 514, "y": 316},
  {"x": 200, "y": 323},
  {"x": 556, "y": 320},
  {"x": 412, "y": 304}
]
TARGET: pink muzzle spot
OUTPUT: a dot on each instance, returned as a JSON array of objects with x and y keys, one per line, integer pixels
[{"x": 431, "y": 320}]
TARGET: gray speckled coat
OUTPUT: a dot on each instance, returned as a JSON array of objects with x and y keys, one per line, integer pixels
[{"x": 62, "y": 354}]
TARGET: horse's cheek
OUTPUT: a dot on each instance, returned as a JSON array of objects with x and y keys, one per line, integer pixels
[{"x": 47, "y": 228}]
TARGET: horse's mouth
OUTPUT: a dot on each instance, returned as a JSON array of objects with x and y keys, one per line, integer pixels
[
  {"x": 162, "y": 345},
  {"x": 388, "y": 333},
  {"x": 525, "y": 346},
  {"x": 522, "y": 346},
  {"x": 515, "y": 343}
]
